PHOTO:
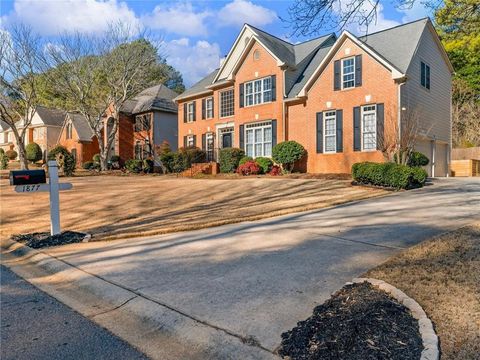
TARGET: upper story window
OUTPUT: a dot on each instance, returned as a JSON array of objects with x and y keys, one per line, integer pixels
[
  {"x": 348, "y": 73},
  {"x": 258, "y": 91},
  {"x": 209, "y": 107},
  {"x": 191, "y": 111},
  {"x": 227, "y": 103},
  {"x": 369, "y": 127},
  {"x": 256, "y": 55},
  {"x": 143, "y": 122},
  {"x": 68, "y": 131},
  {"x": 330, "y": 132},
  {"x": 425, "y": 75},
  {"x": 258, "y": 139}
]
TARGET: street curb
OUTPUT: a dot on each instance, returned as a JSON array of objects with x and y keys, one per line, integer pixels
[
  {"x": 156, "y": 329},
  {"x": 431, "y": 349}
]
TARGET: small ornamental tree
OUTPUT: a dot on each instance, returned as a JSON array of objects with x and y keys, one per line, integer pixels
[
  {"x": 34, "y": 152},
  {"x": 64, "y": 159},
  {"x": 287, "y": 153}
]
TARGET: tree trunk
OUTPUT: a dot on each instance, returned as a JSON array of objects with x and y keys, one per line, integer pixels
[
  {"x": 22, "y": 155},
  {"x": 103, "y": 160}
]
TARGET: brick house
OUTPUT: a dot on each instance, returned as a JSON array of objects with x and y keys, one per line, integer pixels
[
  {"x": 77, "y": 136},
  {"x": 337, "y": 96},
  {"x": 146, "y": 121},
  {"x": 44, "y": 130}
]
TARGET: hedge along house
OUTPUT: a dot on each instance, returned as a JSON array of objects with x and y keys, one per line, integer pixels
[
  {"x": 146, "y": 121},
  {"x": 77, "y": 137},
  {"x": 337, "y": 96}
]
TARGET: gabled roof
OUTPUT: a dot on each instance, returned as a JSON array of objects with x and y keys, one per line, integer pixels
[
  {"x": 199, "y": 87},
  {"x": 84, "y": 131},
  {"x": 157, "y": 97},
  {"x": 53, "y": 117},
  {"x": 4, "y": 126}
]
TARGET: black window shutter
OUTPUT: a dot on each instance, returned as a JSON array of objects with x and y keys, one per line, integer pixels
[
  {"x": 274, "y": 133},
  {"x": 339, "y": 123},
  {"x": 422, "y": 74},
  {"x": 427, "y": 77},
  {"x": 357, "y": 142},
  {"x": 185, "y": 112},
  {"x": 336, "y": 75},
  {"x": 194, "y": 110},
  {"x": 213, "y": 107},
  {"x": 319, "y": 132},
  {"x": 358, "y": 70},
  {"x": 194, "y": 140},
  {"x": 204, "y": 101},
  {"x": 274, "y": 87},
  {"x": 184, "y": 141},
  {"x": 204, "y": 141},
  {"x": 380, "y": 124},
  {"x": 241, "y": 95},
  {"x": 242, "y": 136}
]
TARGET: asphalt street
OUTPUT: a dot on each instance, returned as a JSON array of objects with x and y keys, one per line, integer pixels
[{"x": 36, "y": 326}]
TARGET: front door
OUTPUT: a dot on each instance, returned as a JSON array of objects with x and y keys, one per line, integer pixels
[{"x": 227, "y": 140}]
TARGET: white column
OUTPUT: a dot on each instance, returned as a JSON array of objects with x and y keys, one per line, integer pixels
[{"x": 54, "y": 198}]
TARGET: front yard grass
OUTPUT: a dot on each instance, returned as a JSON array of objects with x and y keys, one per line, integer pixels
[
  {"x": 443, "y": 276},
  {"x": 128, "y": 206}
]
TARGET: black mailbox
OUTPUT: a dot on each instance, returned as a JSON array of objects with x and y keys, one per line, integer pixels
[{"x": 27, "y": 177}]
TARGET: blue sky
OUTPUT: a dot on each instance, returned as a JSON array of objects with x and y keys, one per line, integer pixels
[{"x": 196, "y": 34}]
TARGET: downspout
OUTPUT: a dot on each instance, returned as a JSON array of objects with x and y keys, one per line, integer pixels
[
  {"x": 399, "y": 120},
  {"x": 284, "y": 120}
]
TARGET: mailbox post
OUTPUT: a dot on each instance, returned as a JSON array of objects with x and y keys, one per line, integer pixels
[{"x": 54, "y": 198}]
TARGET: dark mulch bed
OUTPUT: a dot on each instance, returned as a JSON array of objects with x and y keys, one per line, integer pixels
[
  {"x": 358, "y": 322},
  {"x": 43, "y": 239}
]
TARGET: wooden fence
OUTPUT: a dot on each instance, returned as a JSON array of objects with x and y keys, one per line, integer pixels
[
  {"x": 465, "y": 167},
  {"x": 466, "y": 153}
]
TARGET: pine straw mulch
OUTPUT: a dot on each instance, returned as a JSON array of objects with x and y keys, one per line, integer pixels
[
  {"x": 443, "y": 276},
  {"x": 40, "y": 240},
  {"x": 358, "y": 322}
]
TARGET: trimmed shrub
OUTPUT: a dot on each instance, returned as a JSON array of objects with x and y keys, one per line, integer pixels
[
  {"x": 64, "y": 159},
  {"x": 96, "y": 158},
  {"x": 179, "y": 163},
  {"x": 11, "y": 154},
  {"x": 33, "y": 152},
  {"x": 229, "y": 158},
  {"x": 193, "y": 155},
  {"x": 3, "y": 160},
  {"x": 275, "y": 171},
  {"x": 134, "y": 166},
  {"x": 417, "y": 159},
  {"x": 249, "y": 168},
  {"x": 88, "y": 165},
  {"x": 167, "y": 161},
  {"x": 287, "y": 153},
  {"x": 244, "y": 159},
  {"x": 147, "y": 166},
  {"x": 389, "y": 175},
  {"x": 265, "y": 164},
  {"x": 114, "y": 162}
]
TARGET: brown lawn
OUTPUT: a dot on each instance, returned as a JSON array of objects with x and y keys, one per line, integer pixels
[
  {"x": 443, "y": 276},
  {"x": 127, "y": 206}
]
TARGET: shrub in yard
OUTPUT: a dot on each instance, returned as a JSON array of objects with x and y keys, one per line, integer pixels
[
  {"x": 34, "y": 152},
  {"x": 287, "y": 153},
  {"x": 417, "y": 159},
  {"x": 264, "y": 163},
  {"x": 11, "y": 154},
  {"x": 167, "y": 161},
  {"x": 389, "y": 175},
  {"x": 3, "y": 160},
  {"x": 179, "y": 163},
  {"x": 192, "y": 155},
  {"x": 134, "y": 165},
  {"x": 2, "y": 151},
  {"x": 96, "y": 158},
  {"x": 249, "y": 168},
  {"x": 64, "y": 159},
  {"x": 88, "y": 165},
  {"x": 275, "y": 171},
  {"x": 244, "y": 159},
  {"x": 114, "y": 162},
  {"x": 229, "y": 158},
  {"x": 147, "y": 166}
]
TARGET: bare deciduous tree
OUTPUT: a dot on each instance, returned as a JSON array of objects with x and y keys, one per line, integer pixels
[
  {"x": 465, "y": 115},
  {"x": 21, "y": 59}
]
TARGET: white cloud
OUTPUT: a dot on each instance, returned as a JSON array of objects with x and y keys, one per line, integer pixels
[
  {"x": 52, "y": 17},
  {"x": 417, "y": 11},
  {"x": 239, "y": 12},
  {"x": 193, "y": 61},
  {"x": 181, "y": 18}
]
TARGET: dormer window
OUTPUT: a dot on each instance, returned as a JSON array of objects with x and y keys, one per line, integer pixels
[{"x": 69, "y": 131}]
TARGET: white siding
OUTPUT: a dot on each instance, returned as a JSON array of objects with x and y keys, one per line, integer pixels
[
  {"x": 432, "y": 106},
  {"x": 236, "y": 52}
]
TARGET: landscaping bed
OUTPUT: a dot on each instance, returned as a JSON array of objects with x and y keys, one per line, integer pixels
[
  {"x": 44, "y": 239},
  {"x": 358, "y": 322},
  {"x": 443, "y": 276}
]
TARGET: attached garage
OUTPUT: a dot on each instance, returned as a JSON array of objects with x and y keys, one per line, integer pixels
[{"x": 437, "y": 153}]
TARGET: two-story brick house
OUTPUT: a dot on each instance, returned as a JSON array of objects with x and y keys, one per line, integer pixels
[{"x": 337, "y": 96}]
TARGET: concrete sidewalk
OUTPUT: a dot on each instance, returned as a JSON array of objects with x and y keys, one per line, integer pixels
[{"x": 234, "y": 289}]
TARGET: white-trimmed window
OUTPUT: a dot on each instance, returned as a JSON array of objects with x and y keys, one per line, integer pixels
[
  {"x": 330, "y": 131},
  {"x": 191, "y": 111},
  {"x": 227, "y": 103},
  {"x": 190, "y": 141},
  {"x": 348, "y": 73},
  {"x": 209, "y": 108},
  {"x": 258, "y": 91},
  {"x": 369, "y": 127},
  {"x": 68, "y": 131},
  {"x": 425, "y": 75},
  {"x": 258, "y": 139}
]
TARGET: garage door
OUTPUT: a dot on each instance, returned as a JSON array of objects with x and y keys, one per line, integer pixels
[
  {"x": 441, "y": 163},
  {"x": 425, "y": 147}
]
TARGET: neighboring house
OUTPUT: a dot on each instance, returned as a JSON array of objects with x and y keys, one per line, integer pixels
[
  {"x": 338, "y": 97},
  {"x": 44, "y": 130},
  {"x": 6, "y": 142},
  {"x": 145, "y": 122},
  {"x": 77, "y": 136}
]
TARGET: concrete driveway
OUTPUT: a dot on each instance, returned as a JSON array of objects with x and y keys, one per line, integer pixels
[{"x": 256, "y": 280}]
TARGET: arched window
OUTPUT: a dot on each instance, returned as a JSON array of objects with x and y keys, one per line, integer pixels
[
  {"x": 69, "y": 130},
  {"x": 256, "y": 55}
]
